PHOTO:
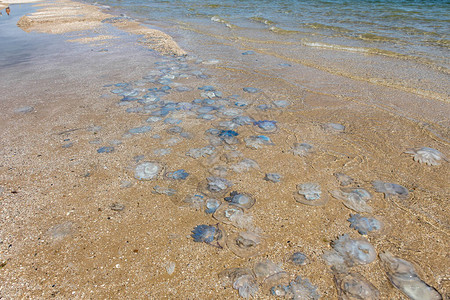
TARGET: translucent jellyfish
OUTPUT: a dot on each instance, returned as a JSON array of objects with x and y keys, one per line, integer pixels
[
  {"x": 353, "y": 286},
  {"x": 266, "y": 126},
  {"x": 269, "y": 273},
  {"x": 244, "y": 165},
  {"x": 242, "y": 279},
  {"x": 196, "y": 201},
  {"x": 343, "y": 179},
  {"x": 355, "y": 199},
  {"x": 333, "y": 127},
  {"x": 147, "y": 171},
  {"x": 229, "y": 137},
  {"x": 403, "y": 276},
  {"x": 274, "y": 177},
  {"x": 212, "y": 205},
  {"x": 117, "y": 206},
  {"x": 242, "y": 200},
  {"x": 256, "y": 141},
  {"x": 164, "y": 191},
  {"x": 212, "y": 235},
  {"x": 310, "y": 194},
  {"x": 299, "y": 289},
  {"x": 281, "y": 103},
  {"x": 246, "y": 244},
  {"x": 298, "y": 258},
  {"x": 200, "y": 152},
  {"x": 364, "y": 225},
  {"x": 138, "y": 130},
  {"x": 175, "y": 130},
  {"x": 243, "y": 120},
  {"x": 429, "y": 156},
  {"x": 215, "y": 186},
  {"x": 219, "y": 171},
  {"x": 302, "y": 149},
  {"x": 105, "y": 150},
  {"x": 180, "y": 174},
  {"x": 23, "y": 110},
  {"x": 60, "y": 231},
  {"x": 390, "y": 189},
  {"x": 233, "y": 215},
  {"x": 251, "y": 90},
  {"x": 354, "y": 251}
]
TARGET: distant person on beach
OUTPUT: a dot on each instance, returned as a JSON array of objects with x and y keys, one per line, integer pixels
[{"x": 8, "y": 10}]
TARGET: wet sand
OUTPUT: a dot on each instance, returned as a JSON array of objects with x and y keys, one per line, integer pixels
[{"x": 60, "y": 238}]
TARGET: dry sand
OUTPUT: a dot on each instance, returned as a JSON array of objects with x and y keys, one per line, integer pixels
[{"x": 60, "y": 238}]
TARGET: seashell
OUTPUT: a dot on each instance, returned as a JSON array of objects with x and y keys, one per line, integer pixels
[
  {"x": 403, "y": 276},
  {"x": 364, "y": 225},
  {"x": 354, "y": 199},
  {"x": 353, "y": 286},
  {"x": 242, "y": 279},
  {"x": 246, "y": 244},
  {"x": 233, "y": 215},
  {"x": 302, "y": 149},
  {"x": 148, "y": 170},
  {"x": 212, "y": 235},
  {"x": 429, "y": 156},
  {"x": 242, "y": 200},
  {"x": 310, "y": 194},
  {"x": 390, "y": 189}
]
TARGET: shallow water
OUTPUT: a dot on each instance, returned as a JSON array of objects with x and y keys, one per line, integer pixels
[{"x": 401, "y": 44}]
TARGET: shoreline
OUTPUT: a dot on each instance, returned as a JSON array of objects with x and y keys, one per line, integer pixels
[
  {"x": 63, "y": 16},
  {"x": 64, "y": 233}
]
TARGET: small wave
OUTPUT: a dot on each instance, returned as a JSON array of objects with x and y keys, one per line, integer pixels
[
  {"x": 415, "y": 31},
  {"x": 371, "y": 37},
  {"x": 282, "y": 31},
  {"x": 326, "y": 27},
  {"x": 444, "y": 43},
  {"x": 336, "y": 47},
  {"x": 262, "y": 20},
  {"x": 220, "y": 20}
]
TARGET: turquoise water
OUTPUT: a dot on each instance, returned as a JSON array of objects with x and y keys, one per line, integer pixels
[{"x": 417, "y": 29}]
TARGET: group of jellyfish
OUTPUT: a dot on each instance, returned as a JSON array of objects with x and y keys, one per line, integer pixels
[{"x": 231, "y": 208}]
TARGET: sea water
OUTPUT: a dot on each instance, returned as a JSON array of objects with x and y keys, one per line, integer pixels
[{"x": 375, "y": 41}]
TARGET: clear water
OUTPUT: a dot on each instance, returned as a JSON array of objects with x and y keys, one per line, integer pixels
[{"x": 416, "y": 29}]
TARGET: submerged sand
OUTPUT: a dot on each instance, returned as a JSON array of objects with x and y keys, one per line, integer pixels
[{"x": 60, "y": 237}]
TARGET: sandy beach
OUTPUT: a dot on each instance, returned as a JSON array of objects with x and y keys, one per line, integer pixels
[{"x": 76, "y": 223}]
